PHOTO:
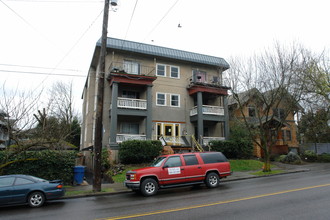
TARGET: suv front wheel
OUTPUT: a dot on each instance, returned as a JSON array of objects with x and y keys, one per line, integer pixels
[
  {"x": 212, "y": 180},
  {"x": 149, "y": 187}
]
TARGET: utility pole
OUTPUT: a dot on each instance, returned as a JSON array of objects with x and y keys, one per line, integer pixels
[{"x": 98, "y": 133}]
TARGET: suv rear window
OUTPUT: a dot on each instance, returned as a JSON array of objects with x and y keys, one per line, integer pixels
[{"x": 216, "y": 157}]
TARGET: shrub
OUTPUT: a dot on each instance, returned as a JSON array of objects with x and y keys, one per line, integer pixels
[
  {"x": 291, "y": 158},
  {"x": 137, "y": 151},
  {"x": 239, "y": 146},
  {"x": 234, "y": 149},
  {"x": 324, "y": 158},
  {"x": 47, "y": 164},
  {"x": 309, "y": 155}
]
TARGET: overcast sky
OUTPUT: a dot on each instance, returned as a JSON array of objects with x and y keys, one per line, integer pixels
[{"x": 41, "y": 39}]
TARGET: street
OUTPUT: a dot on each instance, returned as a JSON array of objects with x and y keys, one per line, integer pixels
[{"x": 300, "y": 196}]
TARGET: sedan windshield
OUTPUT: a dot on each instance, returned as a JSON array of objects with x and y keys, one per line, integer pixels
[{"x": 158, "y": 162}]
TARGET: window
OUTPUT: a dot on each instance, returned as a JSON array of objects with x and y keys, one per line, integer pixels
[
  {"x": 190, "y": 160},
  {"x": 161, "y": 70},
  {"x": 213, "y": 157},
  {"x": 279, "y": 113},
  {"x": 286, "y": 135},
  {"x": 22, "y": 181},
  {"x": 131, "y": 94},
  {"x": 131, "y": 67},
  {"x": 8, "y": 181},
  {"x": 161, "y": 99},
  {"x": 175, "y": 72},
  {"x": 175, "y": 100},
  {"x": 252, "y": 111},
  {"x": 273, "y": 134},
  {"x": 173, "y": 162},
  {"x": 129, "y": 128},
  {"x": 199, "y": 76}
]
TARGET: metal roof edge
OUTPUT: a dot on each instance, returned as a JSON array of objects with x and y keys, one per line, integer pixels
[{"x": 143, "y": 48}]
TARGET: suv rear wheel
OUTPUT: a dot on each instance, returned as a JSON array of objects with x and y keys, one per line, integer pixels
[
  {"x": 212, "y": 180},
  {"x": 149, "y": 187}
]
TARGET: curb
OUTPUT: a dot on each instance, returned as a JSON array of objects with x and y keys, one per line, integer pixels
[{"x": 225, "y": 180}]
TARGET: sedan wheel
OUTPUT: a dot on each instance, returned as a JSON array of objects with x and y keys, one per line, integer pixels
[{"x": 36, "y": 199}]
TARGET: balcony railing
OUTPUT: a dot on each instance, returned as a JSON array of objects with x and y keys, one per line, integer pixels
[
  {"x": 131, "y": 103},
  {"x": 209, "y": 110},
  {"x": 131, "y": 68},
  {"x": 206, "y": 140},
  {"x": 126, "y": 137},
  {"x": 176, "y": 141},
  {"x": 209, "y": 80}
]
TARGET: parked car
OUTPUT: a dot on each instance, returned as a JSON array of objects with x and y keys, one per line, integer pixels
[
  {"x": 25, "y": 189},
  {"x": 179, "y": 170}
]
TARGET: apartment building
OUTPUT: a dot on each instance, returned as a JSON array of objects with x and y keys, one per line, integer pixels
[{"x": 153, "y": 92}]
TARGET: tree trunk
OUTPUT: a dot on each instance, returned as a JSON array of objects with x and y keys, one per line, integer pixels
[{"x": 266, "y": 166}]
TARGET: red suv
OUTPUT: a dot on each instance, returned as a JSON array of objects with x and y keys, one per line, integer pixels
[{"x": 179, "y": 170}]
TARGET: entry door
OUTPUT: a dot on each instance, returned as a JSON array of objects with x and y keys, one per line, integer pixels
[{"x": 171, "y": 133}]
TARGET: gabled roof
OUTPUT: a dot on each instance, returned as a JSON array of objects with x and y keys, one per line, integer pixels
[
  {"x": 158, "y": 51},
  {"x": 243, "y": 96}
]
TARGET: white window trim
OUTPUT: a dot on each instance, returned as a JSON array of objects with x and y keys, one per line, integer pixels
[
  {"x": 178, "y": 72},
  {"x": 160, "y": 64},
  {"x": 176, "y": 106},
  {"x": 157, "y": 98}
]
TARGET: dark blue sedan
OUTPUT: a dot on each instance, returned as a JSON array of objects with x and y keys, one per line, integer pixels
[{"x": 25, "y": 189}]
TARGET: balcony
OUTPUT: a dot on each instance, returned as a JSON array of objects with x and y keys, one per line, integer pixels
[
  {"x": 131, "y": 68},
  {"x": 126, "y": 137},
  {"x": 209, "y": 110},
  {"x": 132, "y": 103}
]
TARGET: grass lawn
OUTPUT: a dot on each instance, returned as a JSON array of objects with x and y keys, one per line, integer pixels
[
  {"x": 245, "y": 165},
  {"x": 119, "y": 178},
  {"x": 82, "y": 192},
  {"x": 261, "y": 173}
]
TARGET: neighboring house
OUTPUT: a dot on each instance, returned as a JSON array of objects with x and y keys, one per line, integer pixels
[
  {"x": 4, "y": 136},
  {"x": 154, "y": 92},
  {"x": 283, "y": 139}
]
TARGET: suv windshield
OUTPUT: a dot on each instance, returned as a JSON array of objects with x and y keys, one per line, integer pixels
[{"x": 158, "y": 162}]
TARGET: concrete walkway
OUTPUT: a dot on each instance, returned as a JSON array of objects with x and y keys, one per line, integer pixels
[{"x": 115, "y": 188}]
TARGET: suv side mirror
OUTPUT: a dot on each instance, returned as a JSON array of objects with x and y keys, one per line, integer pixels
[{"x": 165, "y": 166}]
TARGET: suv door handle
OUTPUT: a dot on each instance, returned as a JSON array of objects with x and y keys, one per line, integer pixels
[
  {"x": 199, "y": 167},
  {"x": 182, "y": 169}
]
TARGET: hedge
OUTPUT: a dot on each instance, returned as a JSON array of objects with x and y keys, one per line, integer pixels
[
  {"x": 46, "y": 164},
  {"x": 233, "y": 149},
  {"x": 138, "y": 151}
]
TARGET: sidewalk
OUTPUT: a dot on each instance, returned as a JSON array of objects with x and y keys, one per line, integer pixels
[{"x": 115, "y": 188}]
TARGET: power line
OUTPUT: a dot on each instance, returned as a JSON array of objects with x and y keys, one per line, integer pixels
[
  {"x": 154, "y": 28},
  {"x": 41, "y": 73},
  {"x": 39, "y": 67},
  {"x": 56, "y": 1},
  {"x": 71, "y": 48}
]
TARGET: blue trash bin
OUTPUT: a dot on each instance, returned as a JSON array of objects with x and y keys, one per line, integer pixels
[{"x": 79, "y": 172}]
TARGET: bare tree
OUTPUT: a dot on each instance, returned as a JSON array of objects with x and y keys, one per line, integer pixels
[
  {"x": 61, "y": 107},
  {"x": 29, "y": 128},
  {"x": 18, "y": 107},
  {"x": 271, "y": 81}
]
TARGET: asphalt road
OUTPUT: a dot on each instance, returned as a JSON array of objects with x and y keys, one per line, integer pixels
[{"x": 300, "y": 196}]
